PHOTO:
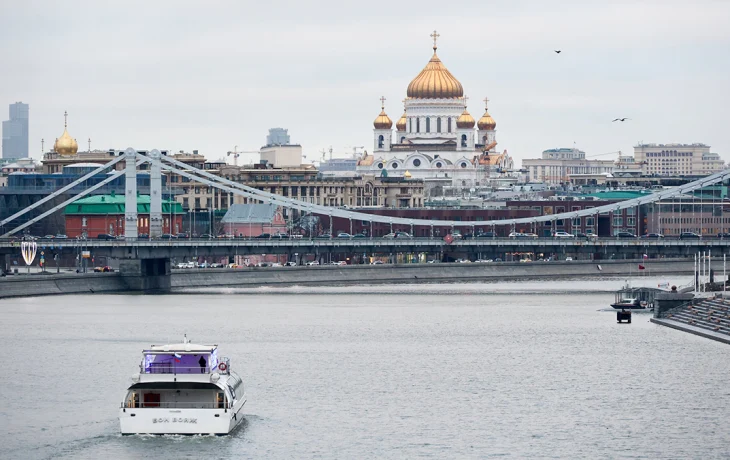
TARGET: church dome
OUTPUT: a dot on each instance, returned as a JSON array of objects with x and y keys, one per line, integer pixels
[
  {"x": 435, "y": 82},
  {"x": 465, "y": 120},
  {"x": 401, "y": 124},
  {"x": 486, "y": 122},
  {"x": 383, "y": 121},
  {"x": 66, "y": 145}
]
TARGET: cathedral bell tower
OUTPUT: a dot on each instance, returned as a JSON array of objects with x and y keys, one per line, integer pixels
[
  {"x": 383, "y": 131},
  {"x": 487, "y": 127},
  {"x": 465, "y": 130}
]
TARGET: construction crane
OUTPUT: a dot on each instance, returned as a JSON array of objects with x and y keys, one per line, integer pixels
[
  {"x": 355, "y": 152},
  {"x": 236, "y": 153}
]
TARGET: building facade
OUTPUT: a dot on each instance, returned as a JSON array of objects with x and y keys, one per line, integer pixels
[
  {"x": 557, "y": 165},
  {"x": 251, "y": 220},
  {"x": 104, "y": 214},
  {"x": 677, "y": 159},
  {"x": 15, "y": 132}
]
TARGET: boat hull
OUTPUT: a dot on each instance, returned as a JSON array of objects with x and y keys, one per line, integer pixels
[
  {"x": 623, "y": 306},
  {"x": 180, "y": 421}
]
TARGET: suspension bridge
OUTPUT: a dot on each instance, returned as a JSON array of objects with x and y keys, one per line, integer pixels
[{"x": 148, "y": 261}]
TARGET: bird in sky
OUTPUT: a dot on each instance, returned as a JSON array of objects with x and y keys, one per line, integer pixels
[
  {"x": 557, "y": 51},
  {"x": 621, "y": 119}
]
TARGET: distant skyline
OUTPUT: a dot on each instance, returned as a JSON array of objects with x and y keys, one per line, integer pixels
[{"x": 189, "y": 75}]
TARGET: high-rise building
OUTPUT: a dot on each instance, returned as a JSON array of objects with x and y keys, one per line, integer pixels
[
  {"x": 15, "y": 132},
  {"x": 278, "y": 136}
]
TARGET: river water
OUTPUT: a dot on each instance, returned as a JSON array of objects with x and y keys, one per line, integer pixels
[{"x": 511, "y": 370}]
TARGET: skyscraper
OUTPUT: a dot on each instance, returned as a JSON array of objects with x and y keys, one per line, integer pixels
[
  {"x": 15, "y": 132},
  {"x": 278, "y": 136}
]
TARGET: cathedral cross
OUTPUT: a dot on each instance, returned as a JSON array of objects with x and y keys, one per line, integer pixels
[
  {"x": 435, "y": 37},
  {"x": 65, "y": 119},
  {"x": 466, "y": 98},
  {"x": 486, "y": 103}
]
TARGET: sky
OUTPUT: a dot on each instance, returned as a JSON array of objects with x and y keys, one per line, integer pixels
[{"x": 212, "y": 75}]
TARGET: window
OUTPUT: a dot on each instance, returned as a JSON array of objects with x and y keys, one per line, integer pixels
[
  {"x": 576, "y": 222},
  {"x": 618, "y": 221},
  {"x": 463, "y": 140},
  {"x": 380, "y": 166},
  {"x": 381, "y": 140},
  {"x": 418, "y": 125},
  {"x": 83, "y": 221},
  {"x": 449, "y": 123},
  {"x": 631, "y": 221},
  {"x": 438, "y": 125},
  {"x": 416, "y": 162},
  {"x": 589, "y": 221}
]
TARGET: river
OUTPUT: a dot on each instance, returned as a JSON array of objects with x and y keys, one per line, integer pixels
[{"x": 534, "y": 369}]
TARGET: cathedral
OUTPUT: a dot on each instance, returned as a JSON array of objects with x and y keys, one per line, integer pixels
[{"x": 436, "y": 139}]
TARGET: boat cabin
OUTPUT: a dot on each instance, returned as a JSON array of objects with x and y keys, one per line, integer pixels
[{"x": 183, "y": 376}]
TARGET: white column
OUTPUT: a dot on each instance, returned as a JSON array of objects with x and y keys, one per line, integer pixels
[
  {"x": 155, "y": 195},
  {"x": 130, "y": 196}
]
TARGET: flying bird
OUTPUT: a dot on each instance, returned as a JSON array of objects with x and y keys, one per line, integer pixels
[
  {"x": 621, "y": 119},
  {"x": 557, "y": 51}
]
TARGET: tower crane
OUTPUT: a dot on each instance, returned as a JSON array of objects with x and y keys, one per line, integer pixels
[{"x": 236, "y": 153}]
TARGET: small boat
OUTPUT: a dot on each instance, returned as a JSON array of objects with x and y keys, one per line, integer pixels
[
  {"x": 183, "y": 389},
  {"x": 629, "y": 304}
]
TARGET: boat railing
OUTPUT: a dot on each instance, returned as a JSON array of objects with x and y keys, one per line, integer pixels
[
  {"x": 171, "y": 368},
  {"x": 177, "y": 405}
]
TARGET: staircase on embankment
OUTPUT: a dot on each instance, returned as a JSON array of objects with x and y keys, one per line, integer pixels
[{"x": 708, "y": 318}]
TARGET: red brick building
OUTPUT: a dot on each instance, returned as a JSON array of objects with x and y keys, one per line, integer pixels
[{"x": 104, "y": 214}]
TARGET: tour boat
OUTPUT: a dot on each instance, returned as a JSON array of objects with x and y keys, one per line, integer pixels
[{"x": 183, "y": 389}]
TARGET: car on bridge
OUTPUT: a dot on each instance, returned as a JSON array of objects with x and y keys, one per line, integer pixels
[
  {"x": 389, "y": 236},
  {"x": 723, "y": 236},
  {"x": 312, "y": 262},
  {"x": 324, "y": 236},
  {"x": 689, "y": 236},
  {"x": 625, "y": 235},
  {"x": 359, "y": 235},
  {"x": 105, "y": 236},
  {"x": 264, "y": 236},
  {"x": 563, "y": 235},
  {"x": 515, "y": 235},
  {"x": 652, "y": 236},
  {"x": 403, "y": 235},
  {"x": 344, "y": 235},
  {"x": 486, "y": 235},
  {"x": 280, "y": 236}
]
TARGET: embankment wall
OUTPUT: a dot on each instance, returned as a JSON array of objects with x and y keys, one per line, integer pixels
[{"x": 37, "y": 285}]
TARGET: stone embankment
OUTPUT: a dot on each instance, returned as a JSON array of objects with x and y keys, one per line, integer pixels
[
  {"x": 708, "y": 318},
  {"x": 378, "y": 274},
  {"x": 72, "y": 283}
]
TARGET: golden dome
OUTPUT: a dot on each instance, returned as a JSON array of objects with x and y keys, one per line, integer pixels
[
  {"x": 383, "y": 121},
  {"x": 486, "y": 122},
  {"x": 401, "y": 124},
  {"x": 465, "y": 120},
  {"x": 435, "y": 81},
  {"x": 407, "y": 174},
  {"x": 66, "y": 145}
]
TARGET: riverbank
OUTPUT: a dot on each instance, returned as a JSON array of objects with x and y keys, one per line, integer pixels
[{"x": 73, "y": 283}]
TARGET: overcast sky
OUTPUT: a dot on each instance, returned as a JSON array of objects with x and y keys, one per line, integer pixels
[{"x": 209, "y": 75}]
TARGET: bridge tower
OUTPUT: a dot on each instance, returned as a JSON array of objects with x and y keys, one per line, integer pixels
[
  {"x": 156, "y": 196},
  {"x": 130, "y": 195}
]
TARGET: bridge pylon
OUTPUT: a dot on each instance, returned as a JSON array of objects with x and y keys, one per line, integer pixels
[
  {"x": 130, "y": 194},
  {"x": 155, "y": 195}
]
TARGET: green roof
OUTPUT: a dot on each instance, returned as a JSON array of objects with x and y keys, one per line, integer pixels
[
  {"x": 114, "y": 204},
  {"x": 620, "y": 194}
]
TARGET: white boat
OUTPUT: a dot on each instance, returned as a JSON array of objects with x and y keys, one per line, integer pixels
[{"x": 183, "y": 389}]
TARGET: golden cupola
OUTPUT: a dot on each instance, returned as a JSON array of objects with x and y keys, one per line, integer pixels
[
  {"x": 383, "y": 121},
  {"x": 401, "y": 123},
  {"x": 66, "y": 145},
  {"x": 465, "y": 120},
  {"x": 435, "y": 81},
  {"x": 486, "y": 122}
]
